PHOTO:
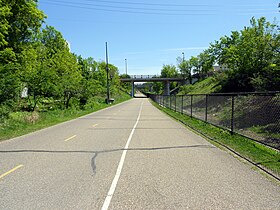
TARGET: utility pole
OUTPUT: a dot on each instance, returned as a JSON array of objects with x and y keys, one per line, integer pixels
[
  {"x": 183, "y": 62},
  {"x": 125, "y": 66},
  {"x": 184, "y": 69},
  {"x": 107, "y": 70}
]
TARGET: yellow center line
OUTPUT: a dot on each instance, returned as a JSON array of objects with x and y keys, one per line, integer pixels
[
  {"x": 10, "y": 171},
  {"x": 94, "y": 125},
  {"x": 72, "y": 137}
]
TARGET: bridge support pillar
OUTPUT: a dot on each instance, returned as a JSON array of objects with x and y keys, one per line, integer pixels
[
  {"x": 151, "y": 88},
  {"x": 167, "y": 88},
  {"x": 132, "y": 89}
]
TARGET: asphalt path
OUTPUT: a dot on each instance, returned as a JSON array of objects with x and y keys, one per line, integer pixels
[{"x": 129, "y": 156}]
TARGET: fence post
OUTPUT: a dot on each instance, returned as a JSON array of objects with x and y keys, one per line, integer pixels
[
  {"x": 191, "y": 104},
  {"x": 206, "y": 107},
  {"x": 175, "y": 103},
  {"x": 170, "y": 102},
  {"x": 232, "y": 115},
  {"x": 182, "y": 110}
]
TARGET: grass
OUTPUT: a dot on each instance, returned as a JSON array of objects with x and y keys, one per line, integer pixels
[
  {"x": 265, "y": 131},
  {"x": 206, "y": 86},
  {"x": 256, "y": 153},
  {"x": 20, "y": 123}
]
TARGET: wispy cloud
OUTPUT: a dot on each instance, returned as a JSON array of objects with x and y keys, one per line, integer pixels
[
  {"x": 183, "y": 49},
  {"x": 166, "y": 50},
  {"x": 134, "y": 53}
]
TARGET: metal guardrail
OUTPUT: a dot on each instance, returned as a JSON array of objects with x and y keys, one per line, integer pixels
[{"x": 254, "y": 115}]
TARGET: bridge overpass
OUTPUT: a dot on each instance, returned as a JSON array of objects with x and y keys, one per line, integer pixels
[{"x": 151, "y": 78}]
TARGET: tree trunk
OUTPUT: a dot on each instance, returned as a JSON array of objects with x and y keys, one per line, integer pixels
[{"x": 35, "y": 102}]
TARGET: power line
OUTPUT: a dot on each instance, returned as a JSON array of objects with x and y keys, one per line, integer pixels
[
  {"x": 150, "y": 4},
  {"x": 175, "y": 5},
  {"x": 110, "y": 6},
  {"x": 136, "y": 10},
  {"x": 126, "y": 7}
]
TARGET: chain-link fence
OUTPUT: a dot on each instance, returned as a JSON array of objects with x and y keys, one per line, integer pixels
[{"x": 254, "y": 115}]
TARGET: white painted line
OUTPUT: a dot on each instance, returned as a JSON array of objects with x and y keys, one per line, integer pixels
[{"x": 120, "y": 166}]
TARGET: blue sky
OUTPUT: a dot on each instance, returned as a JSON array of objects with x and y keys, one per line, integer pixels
[{"x": 150, "y": 33}]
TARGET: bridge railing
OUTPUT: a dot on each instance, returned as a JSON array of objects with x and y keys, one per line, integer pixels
[{"x": 144, "y": 76}]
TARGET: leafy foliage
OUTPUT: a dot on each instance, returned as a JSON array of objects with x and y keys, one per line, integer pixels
[
  {"x": 169, "y": 71},
  {"x": 20, "y": 21},
  {"x": 251, "y": 57},
  {"x": 39, "y": 60}
]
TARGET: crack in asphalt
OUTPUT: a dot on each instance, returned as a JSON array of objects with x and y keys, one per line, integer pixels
[
  {"x": 93, "y": 163},
  {"x": 93, "y": 159}
]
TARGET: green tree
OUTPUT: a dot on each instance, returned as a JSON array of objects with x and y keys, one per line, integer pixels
[
  {"x": 126, "y": 86},
  {"x": 114, "y": 81},
  {"x": 9, "y": 79},
  {"x": 206, "y": 62},
  {"x": 91, "y": 83},
  {"x": 22, "y": 20},
  {"x": 251, "y": 57},
  {"x": 53, "y": 40},
  {"x": 218, "y": 49},
  {"x": 158, "y": 87},
  {"x": 169, "y": 71},
  {"x": 69, "y": 75},
  {"x": 36, "y": 75},
  {"x": 4, "y": 24},
  {"x": 194, "y": 66},
  {"x": 185, "y": 69},
  {"x": 49, "y": 69}
]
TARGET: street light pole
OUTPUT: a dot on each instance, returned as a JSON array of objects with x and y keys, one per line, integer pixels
[
  {"x": 107, "y": 70},
  {"x": 184, "y": 70},
  {"x": 126, "y": 66}
]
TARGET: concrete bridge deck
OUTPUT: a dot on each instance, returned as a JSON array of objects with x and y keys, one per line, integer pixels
[{"x": 151, "y": 78}]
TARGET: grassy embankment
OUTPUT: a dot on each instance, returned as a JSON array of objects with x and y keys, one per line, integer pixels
[
  {"x": 206, "y": 86},
  {"x": 20, "y": 123},
  {"x": 259, "y": 131},
  {"x": 259, "y": 154}
]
